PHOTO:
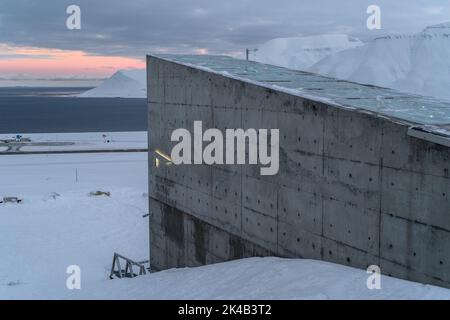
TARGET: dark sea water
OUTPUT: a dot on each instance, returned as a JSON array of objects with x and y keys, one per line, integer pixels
[{"x": 54, "y": 110}]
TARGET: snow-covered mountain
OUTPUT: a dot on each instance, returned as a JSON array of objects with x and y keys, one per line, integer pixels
[
  {"x": 122, "y": 84},
  {"x": 302, "y": 52},
  {"x": 418, "y": 63}
]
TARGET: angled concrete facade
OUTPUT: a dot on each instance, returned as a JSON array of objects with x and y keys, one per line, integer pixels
[{"x": 353, "y": 188}]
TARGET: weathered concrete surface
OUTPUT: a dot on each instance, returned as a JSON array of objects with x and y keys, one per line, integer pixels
[{"x": 353, "y": 188}]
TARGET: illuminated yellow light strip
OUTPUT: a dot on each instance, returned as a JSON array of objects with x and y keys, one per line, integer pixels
[{"x": 163, "y": 155}]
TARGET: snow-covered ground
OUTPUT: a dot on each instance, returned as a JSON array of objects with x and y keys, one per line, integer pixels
[
  {"x": 273, "y": 278},
  {"x": 301, "y": 53},
  {"x": 59, "y": 224},
  {"x": 416, "y": 63},
  {"x": 122, "y": 84}
]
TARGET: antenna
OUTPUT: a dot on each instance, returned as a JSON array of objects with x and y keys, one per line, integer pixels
[{"x": 248, "y": 51}]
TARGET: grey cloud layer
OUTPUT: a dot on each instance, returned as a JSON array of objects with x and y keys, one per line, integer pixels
[{"x": 135, "y": 27}]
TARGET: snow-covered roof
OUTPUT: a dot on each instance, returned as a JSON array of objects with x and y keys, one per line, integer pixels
[{"x": 413, "y": 109}]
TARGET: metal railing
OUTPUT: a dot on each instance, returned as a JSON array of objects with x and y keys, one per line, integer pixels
[{"x": 128, "y": 272}]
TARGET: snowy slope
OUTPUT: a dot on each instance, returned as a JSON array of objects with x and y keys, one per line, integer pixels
[
  {"x": 274, "y": 279},
  {"x": 417, "y": 63},
  {"x": 302, "y": 52},
  {"x": 123, "y": 84}
]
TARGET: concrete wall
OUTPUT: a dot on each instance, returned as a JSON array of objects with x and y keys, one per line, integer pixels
[{"x": 353, "y": 188}]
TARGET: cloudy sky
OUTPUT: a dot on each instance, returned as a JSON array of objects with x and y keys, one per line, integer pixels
[{"x": 34, "y": 39}]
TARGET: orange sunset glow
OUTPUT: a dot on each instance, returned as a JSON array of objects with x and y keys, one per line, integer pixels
[{"x": 54, "y": 62}]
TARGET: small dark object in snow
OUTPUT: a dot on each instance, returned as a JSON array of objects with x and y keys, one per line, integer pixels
[
  {"x": 14, "y": 283},
  {"x": 100, "y": 193},
  {"x": 54, "y": 195},
  {"x": 105, "y": 140},
  {"x": 11, "y": 200}
]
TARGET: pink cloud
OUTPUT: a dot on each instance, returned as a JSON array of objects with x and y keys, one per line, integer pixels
[{"x": 43, "y": 61}]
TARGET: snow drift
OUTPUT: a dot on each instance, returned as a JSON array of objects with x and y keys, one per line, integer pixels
[
  {"x": 122, "y": 84},
  {"x": 302, "y": 52},
  {"x": 418, "y": 63}
]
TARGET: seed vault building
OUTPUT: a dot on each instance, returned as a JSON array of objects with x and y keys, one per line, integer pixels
[{"x": 363, "y": 171}]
